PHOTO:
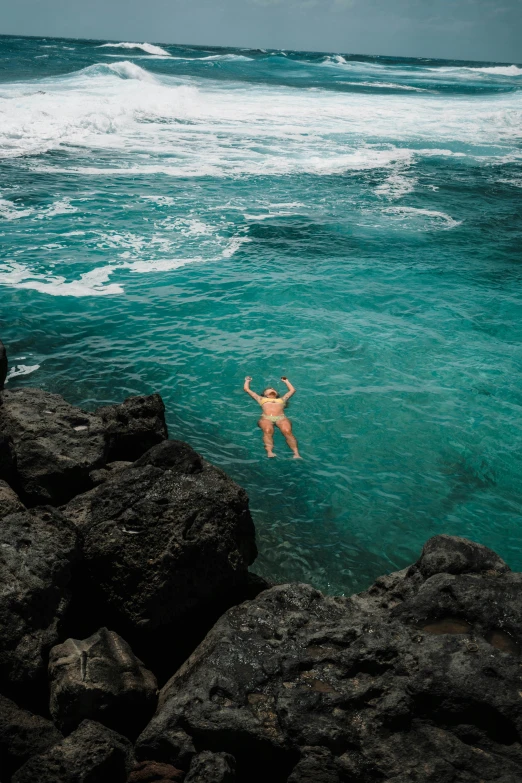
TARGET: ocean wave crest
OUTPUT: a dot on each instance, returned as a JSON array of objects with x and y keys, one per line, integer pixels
[
  {"x": 124, "y": 69},
  {"x": 145, "y": 47}
]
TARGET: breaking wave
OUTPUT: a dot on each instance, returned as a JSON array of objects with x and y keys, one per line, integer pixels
[{"x": 144, "y": 47}]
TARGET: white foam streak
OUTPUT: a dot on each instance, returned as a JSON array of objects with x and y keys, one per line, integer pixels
[
  {"x": 91, "y": 283},
  {"x": 144, "y": 47},
  {"x": 21, "y": 369},
  {"x": 435, "y": 219}
]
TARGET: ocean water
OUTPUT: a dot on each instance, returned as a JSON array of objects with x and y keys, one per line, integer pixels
[{"x": 175, "y": 218}]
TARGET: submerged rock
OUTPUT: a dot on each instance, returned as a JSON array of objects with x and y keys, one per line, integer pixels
[
  {"x": 158, "y": 542},
  {"x": 56, "y": 445},
  {"x": 100, "y": 678},
  {"x": 37, "y": 551},
  {"x": 3, "y": 365},
  {"x": 133, "y": 427},
  {"x": 22, "y": 735},
  {"x": 303, "y": 687},
  {"x": 91, "y": 754}
]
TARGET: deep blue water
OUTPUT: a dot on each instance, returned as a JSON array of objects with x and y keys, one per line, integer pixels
[{"x": 176, "y": 218}]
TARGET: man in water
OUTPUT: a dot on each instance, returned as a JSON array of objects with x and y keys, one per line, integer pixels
[{"x": 273, "y": 413}]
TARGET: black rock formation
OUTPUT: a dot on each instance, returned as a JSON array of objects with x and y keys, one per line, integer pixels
[
  {"x": 49, "y": 448},
  {"x": 209, "y": 767},
  {"x": 56, "y": 445},
  {"x": 22, "y": 735},
  {"x": 155, "y": 772},
  {"x": 10, "y": 503},
  {"x": 100, "y": 678},
  {"x": 158, "y": 543},
  {"x": 416, "y": 680},
  {"x": 133, "y": 427},
  {"x": 91, "y": 754},
  {"x": 38, "y": 549}
]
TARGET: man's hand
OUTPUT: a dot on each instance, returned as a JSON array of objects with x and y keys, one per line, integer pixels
[{"x": 248, "y": 379}]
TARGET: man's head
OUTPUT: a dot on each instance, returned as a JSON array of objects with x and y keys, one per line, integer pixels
[{"x": 270, "y": 392}]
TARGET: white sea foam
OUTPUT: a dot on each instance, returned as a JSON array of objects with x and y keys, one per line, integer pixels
[
  {"x": 21, "y": 369},
  {"x": 61, "y": 207},
  {"x": 501, "y": 70},
  {"x": 226, "y": 57},
  {"x": 387, "y": 85},
  {"x": 187, "y": 127},
  {"x": 90, "y": 283},
  {"x": 234, "y": 245},
  {"x": 9, "y": 211},
  {"x": 396, "y": 185},
  {"x": 435, "y": 219},
  {"x": 145, "y": 47},
  {"x": 492, "y": 70}
]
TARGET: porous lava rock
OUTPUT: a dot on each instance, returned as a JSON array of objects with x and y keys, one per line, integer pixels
[
  {"x": 38, "y": 549},
  {"x": 100, "y": 678},
  {"x": 56, "y": 445},
  {"x": 158, "y": 543},
  {"x": 10, "y": 503},
  {"x": 3, "y": 365},
  {"x": 133, "y": 427},
  {"x": 91, "y": 754},
  {"x": 208, "y": 767},
  {"x": 22, "y": 735},
  {"x": 416, "y": 680},
  {"x": 155, "y": 772}
]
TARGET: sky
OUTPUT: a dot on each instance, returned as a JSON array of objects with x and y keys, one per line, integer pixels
[{"x": 454, "y": 29}]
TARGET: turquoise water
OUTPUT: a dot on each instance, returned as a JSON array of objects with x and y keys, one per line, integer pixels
[{"x": 175, "y": 218}]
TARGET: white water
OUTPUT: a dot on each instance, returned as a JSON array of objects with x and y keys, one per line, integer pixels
[{"x": 144, "y": 47}]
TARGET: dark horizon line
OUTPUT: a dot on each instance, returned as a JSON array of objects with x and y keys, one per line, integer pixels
[{"x": 261, "y": 49}]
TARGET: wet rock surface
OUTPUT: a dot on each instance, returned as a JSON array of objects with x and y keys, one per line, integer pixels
[
  {"x": 299, "y": 686},
  {"x": 100, "y": 678},
  {"x": 22, "y": 735},
  {"x": 38, "y": 549},
  {"x": 158, "y": 543},
  {"x": 91, "y": 754}
]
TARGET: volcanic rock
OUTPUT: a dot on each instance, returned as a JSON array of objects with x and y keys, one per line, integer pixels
[
  {"x": 172, "y": 455},
  {"x": 91, "y": 754},
  {"x": 3, "y": 365},
  {"x": 159, "y": 543},
  {"x": 22, "y": 735},
  {"x": 10, "y": 503},
  {"x": 56, "y": 445},
  {"x": 209, "y": 767},
  {"x": 416, "y": 680},
  {"x": 133, "y": 427},
  {"x": 37, "y": 551},
  {"x": 100, "y": 678},
  {"x": 155, "y": 772}
]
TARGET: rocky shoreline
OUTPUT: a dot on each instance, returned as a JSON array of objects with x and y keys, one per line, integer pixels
[{"x": 135, "y": 646}]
